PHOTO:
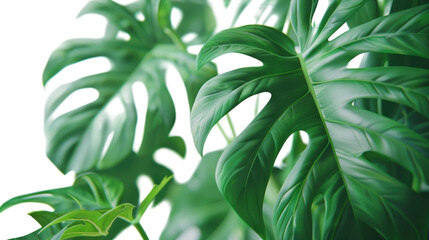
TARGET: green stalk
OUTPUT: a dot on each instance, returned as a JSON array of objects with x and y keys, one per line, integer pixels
[
  {"x": 141, "y": 231},
  {"x": 223, "y": 133},
  {"x": 379, "y": 106},
  {"x": 231, "y": 126},
  {"x": 176, "y": 39}
]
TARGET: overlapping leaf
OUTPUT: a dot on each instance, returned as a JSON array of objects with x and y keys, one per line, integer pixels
[
  {"x": 90, "y": 191},
  {"x": 337, "y": 189},
  {"x": 94, "y": 136},
  {"x": 93, "y": 191},
  {"x": 89, "y": 208}
]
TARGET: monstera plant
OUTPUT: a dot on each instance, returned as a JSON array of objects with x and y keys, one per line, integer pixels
[{"x": 364, "y": 173}]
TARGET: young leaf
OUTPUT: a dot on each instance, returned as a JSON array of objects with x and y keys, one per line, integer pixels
[
  {"x": 92, "y": 223},
  {"x": 92, "y": 191},
  {"x": 150, "y": 197},
  {"x": 313, "y": 90}
]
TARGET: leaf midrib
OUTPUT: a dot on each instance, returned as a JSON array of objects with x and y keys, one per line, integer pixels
[{"x": 323, "y": 121}]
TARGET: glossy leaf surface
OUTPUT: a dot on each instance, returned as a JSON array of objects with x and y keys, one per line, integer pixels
[
  {"x": 92, "y": 223},
  {"x": 337, "y": 188},
  {"x": 100, "y": 134},
  {"x": 89, "y": 191}
]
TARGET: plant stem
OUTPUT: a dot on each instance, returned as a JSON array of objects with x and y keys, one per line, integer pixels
[
  {"x": 223, "y": 133},
  {"x": 231, "y": 126},
  {"x": 141, "y": 231},
  {"x": 379, "y": 106},
  {"x": 176, "y": 39}
]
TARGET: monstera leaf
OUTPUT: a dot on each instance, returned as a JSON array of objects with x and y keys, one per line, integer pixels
[
  {"x": 338, "y": 188},
  {"x": 94, "y": 136}
]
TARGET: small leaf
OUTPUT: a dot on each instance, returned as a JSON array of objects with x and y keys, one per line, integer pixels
[
  {"x": 92, "y": 223},
  {"x": 92, "y": 190},
  {"x": 150, "y": 197}
]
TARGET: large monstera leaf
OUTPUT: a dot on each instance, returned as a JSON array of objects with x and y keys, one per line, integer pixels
[
  {"x": 94, "y": 136},
  {"x": 339, "y": 187}
]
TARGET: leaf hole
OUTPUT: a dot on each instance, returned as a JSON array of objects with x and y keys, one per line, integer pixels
[
  {"x": 144, "y": 184},
  {"x": 75, "y": 100},
  {"x": 184, "y": 168},
  {"x": 233, "y": 61},
  {"x": 284, "y": 152},
  {"x": 244, "y": 113},
  {"x": 249, "y": 13},
  {"x": 304, "y": 137},
  {"x": 355, "y": 62},
  {"x": 344, "y": 28},
  {"x": 266, "y": 14},
  {"x": 189, "y": 37},
  {"x": 123, "y": 35},
  {"x": 115, "y": 108},
  {"x": 195, "y": 49},
  {"x": 159, "y": 212},
  {"x": 272, "y": 20},
  {"x": 176, "y": 17},
  {"x": 78, "y": 70},
  {"x": 168, "y": 158},
  {"x": 291, "y": 150},
  {"x": 322, "y": 6},
  {"x": 140, "y": 16},
  {"x": 140, "y": 97},
  {"x": 240, "y": 116}
]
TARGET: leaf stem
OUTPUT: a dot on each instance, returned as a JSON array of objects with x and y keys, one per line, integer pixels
[
  {"x": 176, "y": 39},
  {"x": 223, "y": 133},
  {"x": 234, "y": 135},
  {"x": 140, "y": 229},
  {"x": 379, "y": 106}
]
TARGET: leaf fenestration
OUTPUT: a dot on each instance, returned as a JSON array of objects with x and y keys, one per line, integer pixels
[{"x": 313, "y": 91}]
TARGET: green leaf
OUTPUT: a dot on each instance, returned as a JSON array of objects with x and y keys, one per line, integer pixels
[
  {"x": 92, "y": 137},
  {"x": 333, "y": 190},
  {"x": 43, "y": 218},
  {"x": 92, "y": 191},
  {"x": 150, "y": 197},
  {"x": 197, "y": 18},
  {"x": 94, "y": 223}
]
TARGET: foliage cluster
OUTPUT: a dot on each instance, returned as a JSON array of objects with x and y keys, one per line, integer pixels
[{"x": 363, "y": 175}]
